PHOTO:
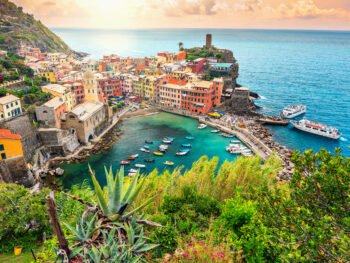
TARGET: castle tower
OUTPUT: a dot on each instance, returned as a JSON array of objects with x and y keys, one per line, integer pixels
[
  {"x": 90, "y": 87},
  {"x": 208, "y": 41}
]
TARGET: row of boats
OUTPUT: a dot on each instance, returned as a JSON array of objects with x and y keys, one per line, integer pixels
[{"x": 308, "y": 125}]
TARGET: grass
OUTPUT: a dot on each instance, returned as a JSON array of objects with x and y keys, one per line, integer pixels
[{"x": 24, "y": 257}]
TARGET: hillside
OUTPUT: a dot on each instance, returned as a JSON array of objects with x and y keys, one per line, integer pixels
[{"x": 17, "y": 27}]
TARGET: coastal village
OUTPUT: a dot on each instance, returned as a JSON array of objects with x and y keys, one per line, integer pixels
[{"x": 87, "y": 98}]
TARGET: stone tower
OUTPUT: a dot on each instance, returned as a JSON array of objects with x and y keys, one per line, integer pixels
[
  {"x": 208, "y": 41},
  {"x": 90, "y": 87}
]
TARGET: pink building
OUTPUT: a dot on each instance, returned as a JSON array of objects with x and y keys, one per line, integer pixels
[
  {"x": 110, "y": 87},
  {"x": 198, "y": 65}
]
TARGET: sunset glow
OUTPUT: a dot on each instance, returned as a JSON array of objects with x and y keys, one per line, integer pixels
[{"x": 284, "y": 14}]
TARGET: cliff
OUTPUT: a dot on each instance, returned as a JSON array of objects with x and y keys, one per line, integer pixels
[{"x": 17, "y": 27}]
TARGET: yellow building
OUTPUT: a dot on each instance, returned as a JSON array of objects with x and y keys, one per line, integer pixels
[
  {"x": 138, "y": 86},
  {"x": 63, "y": 92},
  {"x": 10, "y": 144},
  {"x": 149, "y": 86},
  {"x": 49, "y": 75},
  {"x": 10, "y": 106}
]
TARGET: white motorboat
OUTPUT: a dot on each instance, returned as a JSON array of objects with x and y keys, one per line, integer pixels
[
  {"x": 317, "y": 128},
  {"x": 138, "y": 165},
  {"x": 202, "y": 126},
  {"x": 293, "y": 111}
]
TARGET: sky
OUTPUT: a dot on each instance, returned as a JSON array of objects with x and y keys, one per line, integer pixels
[{"x": 139, "y": 14}]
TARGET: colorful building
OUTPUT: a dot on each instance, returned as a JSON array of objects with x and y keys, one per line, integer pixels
[
  {"x": 63, "y": 92},
  {"x": 48, "y": 75},
  {"x": 10, "y": 106},
  {"x": 138, "y": 85},
  {"x": 10, "y": 144},
  {"x": 109, "y": 87},
  {"x": 50, "y": 113},
  {"x": 197, "y": 65}
]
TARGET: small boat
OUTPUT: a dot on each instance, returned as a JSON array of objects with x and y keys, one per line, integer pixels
[
  {"x": 170, "y": 138},
  {"x": 149, "y": 160},
  {"x": 235, "y": 141},
  {"x": 131, "y": 158},
  {"x": 189, "y": 137},
  {"x": 162, "y": 150},
  {"x": 168, "y": 163},
  {"x": 135, "y": 155},
  {"x": 162, "y": 146},
  {"x": 146, "y": 147},
  {"x": 187, "y": 145},
  {"x": 138, "y": 165},
  {"x": 143, "y": 150},
  {"x": 158, "y": 153},
  {"x": 124, "y": 162},
  {"x": 202, "y": 126},
  {"x": 148, "y": 141},
  {"x": 229, "y": 136},
  {"x": 180, "y": 153},
  {"x": 165, "y": 140},
  {"x": 132, "y": 171},
  {"x": 131, "y": 174},
  {"x": 215, "y": 131},
  {"x": 184, "y": 150}
]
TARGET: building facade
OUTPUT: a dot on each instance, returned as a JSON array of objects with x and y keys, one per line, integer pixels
[
  {"x": 10, "y": 144},
  {"x": 50, "y": 113},
  {"x": 10, "y": 106}
]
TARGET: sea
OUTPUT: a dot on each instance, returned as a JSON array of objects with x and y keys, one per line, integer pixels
[{"x": 285, "y": 67}]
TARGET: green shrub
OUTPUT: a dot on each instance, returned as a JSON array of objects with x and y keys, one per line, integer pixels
[{"x": 23, "y": 217}]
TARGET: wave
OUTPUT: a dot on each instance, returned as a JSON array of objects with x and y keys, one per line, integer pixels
[
  {"x": 343, "y": 139},
  {"x": 262, "y": 97}
]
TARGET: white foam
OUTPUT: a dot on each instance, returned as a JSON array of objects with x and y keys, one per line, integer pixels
[
  {"x": 343, "y": 139},
  {"x": 262, "y": 97}
]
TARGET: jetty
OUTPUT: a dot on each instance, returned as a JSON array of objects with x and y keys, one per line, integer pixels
[{"x": 273, "y": 122}]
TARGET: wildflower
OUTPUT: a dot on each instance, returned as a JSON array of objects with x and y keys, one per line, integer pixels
[{"x": 194, "y": 236}]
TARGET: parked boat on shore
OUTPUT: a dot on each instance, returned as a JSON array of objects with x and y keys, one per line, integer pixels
[
  {"x": 317, "y": 128},
  {"x": 293, "y": 111}
]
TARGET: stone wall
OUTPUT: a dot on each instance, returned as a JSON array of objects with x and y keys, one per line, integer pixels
[
  {"x": 14, "y": 170},
  {"x": 21, "y": 125},
  {"x": 46, "y": 115}
]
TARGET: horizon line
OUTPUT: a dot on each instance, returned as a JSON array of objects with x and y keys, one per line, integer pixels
[{"x": 202, "y": 28}]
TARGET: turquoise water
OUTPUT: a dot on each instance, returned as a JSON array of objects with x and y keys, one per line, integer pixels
[
  {"x": 284, "y": 67},
  {"x": 153, "y": 127}
]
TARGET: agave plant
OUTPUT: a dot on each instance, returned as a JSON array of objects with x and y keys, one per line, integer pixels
[
  {"x": 83, "y": 230},
  {"x": 120, "y": 197}
]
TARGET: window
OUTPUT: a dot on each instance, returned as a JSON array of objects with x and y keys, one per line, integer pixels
[
  {"x": 7, "y": 106},
  {"x": 16, "y": 102},
  {"x": 2, "y": 147},
  {"x": 3, "y": 156}
]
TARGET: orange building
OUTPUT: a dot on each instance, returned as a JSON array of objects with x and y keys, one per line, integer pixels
[{"x": 10, "y": 144}]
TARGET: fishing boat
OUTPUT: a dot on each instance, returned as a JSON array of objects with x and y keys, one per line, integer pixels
[
  {"x": 138, "y": 165},
  {"x": 186, "y": 145},
  {"x": 124, "y": 162},
  {"x": 202, "y": 126},
  {"x": 293, "y": 111},
  {"x": 215, "y": 131},
  {"x": 149, "y": 160},
  {"x": 131, "y": 158},
  {"x": 162, "y": 146},
  {"x": 158, "y": 153},
  {"x": 235, "y": 141},
  {"x": 170, "y": 138},
  {"x": 180, "y": 153},
  {"x": 132, "y": 171},
  {"x": 317, "y": 128},
  {"x": 189, "y": 137},
  {"x": 168, "y": 163},
  {"x": 148, "y": 141},
  {"x": 165, "y": 140},
  {"x": 135, "y": 155}
]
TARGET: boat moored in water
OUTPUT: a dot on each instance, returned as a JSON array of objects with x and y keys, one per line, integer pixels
[
  {"x": 124, "y": 162},
  {"x": 179, "y": 153},
  {"x": 170, "y": 138},
  {"x": 189, "y": 137},
  {"x": 138, "y": 165},
  {"x": 163, "y": 146},
  {"x": 184, "y": 150},
  {"x": 144, "y": 150},
  {"x": 317, "y": 128},
  {"x": 215, "y": 131},
  {"x": 135, "y": 155},
  {"x": 165, "y": 140},
  {"x": 168, "y": 163},
  {"x": 202, "y": 126},
  {"x": 158, "y": 153},
  {"x": 146, "y": 147},
  {"x": 186, "y": 145},
  {"x": 293, "y": 111},
  {"x": 148, "y": 141},
  {"x": 235, "y": 141},
  {"x": 131, "y": 158},
  {"x": 149, "y": 160},
  {"x": 132, "y": 171}
]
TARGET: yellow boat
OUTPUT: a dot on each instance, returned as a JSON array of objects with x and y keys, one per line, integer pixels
[
  {"x": 168, "y": 163},
  {"x": 158, "y": 153}
]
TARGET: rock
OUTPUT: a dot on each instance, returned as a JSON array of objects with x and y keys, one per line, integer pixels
[{"x": 59, "y": 172}]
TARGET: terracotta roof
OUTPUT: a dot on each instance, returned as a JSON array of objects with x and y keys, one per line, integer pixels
[
  {"x": 140, "y": 67},
  {"x": 8, "y": 135},
  {"x": 177, "y": 82}
]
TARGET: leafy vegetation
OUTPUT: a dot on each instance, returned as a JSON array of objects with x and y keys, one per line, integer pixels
[{"x": 237, "y": 213}]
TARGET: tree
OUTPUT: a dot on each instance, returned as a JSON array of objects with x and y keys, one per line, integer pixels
[
  {"x": 311, "y": 221},
  {"x": 181, "y": 46}
]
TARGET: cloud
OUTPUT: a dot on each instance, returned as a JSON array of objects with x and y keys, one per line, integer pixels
[
  {"x": 248, "y": 5},
  {"x": 178, "y": 8}
]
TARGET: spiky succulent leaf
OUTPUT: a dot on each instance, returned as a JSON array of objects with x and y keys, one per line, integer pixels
[
  {"x": 114, "y": 201},
  {"x": 99, "y": 193}
]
